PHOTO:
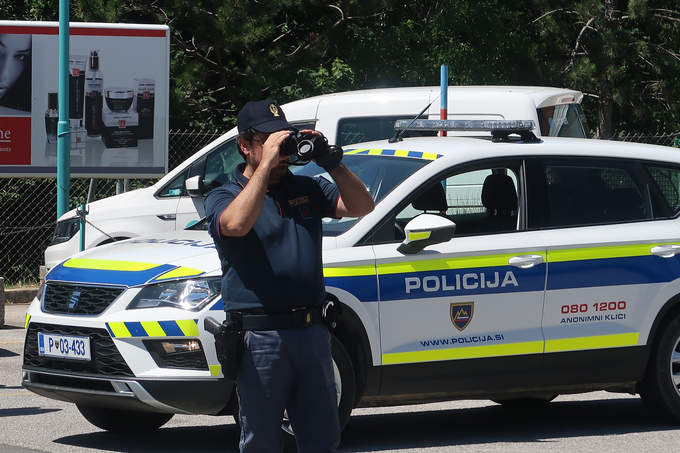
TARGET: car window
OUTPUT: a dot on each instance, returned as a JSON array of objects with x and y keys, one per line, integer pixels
[
  {"x": 219, "y": 165},
  {"x": 364, "y": 129},
  {"x": 668, "y": 181},
  {"x": 479, "y": 201},
  {"x": 174, "y": 188},
  {"x": 563, "y": 121},
  {"x": 583, "y": 192}
]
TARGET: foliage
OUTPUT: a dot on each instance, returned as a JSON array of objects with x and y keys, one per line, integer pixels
[{"x": 622, "y": 53}]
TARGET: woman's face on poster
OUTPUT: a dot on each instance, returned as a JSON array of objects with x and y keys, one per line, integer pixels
[{"x": 15, "y": 51}]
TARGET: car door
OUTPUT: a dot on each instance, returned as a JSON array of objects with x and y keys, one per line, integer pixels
[
  {"x": 463, "y": 315},
  {"x": 611, "y": 250}
]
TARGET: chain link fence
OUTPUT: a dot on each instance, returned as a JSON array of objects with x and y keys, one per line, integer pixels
[
  {"x": 29, "y": 205},
  {"x": 29, "y": 209},
  {"x": 651, "y": 139}
]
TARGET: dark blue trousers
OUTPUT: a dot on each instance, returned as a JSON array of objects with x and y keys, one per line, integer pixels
[{"x": 291, "y": 370}]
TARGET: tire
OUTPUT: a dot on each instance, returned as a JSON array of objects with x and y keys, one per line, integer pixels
[
  {"x": 525, "y": 403},
  {"x": 345, "y": 385},
  {"x": 121, "y": 421},
  {"x": 660, "y": 389}
]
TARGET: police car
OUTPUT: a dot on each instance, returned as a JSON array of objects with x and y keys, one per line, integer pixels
[{"x": 504, "y": 267}]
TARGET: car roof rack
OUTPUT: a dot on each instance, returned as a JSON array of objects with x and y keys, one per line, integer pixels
[{"x": 500, "y": 129}]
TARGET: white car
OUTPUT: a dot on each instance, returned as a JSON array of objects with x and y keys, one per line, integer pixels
[
  {"x": 345, "y": 118},
  {"x": 511, "y": 269}
]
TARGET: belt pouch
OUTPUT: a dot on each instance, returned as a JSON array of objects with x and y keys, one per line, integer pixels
[{"x": 228, "y": 348}]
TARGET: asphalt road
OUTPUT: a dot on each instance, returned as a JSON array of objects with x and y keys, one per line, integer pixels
[{"x": 594, "y": 422}]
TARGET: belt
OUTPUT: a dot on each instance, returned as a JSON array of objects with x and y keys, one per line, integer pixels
[{"x": 296, "y": 319}]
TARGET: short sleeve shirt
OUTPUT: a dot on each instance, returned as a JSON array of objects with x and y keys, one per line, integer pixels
[{"x": 277, "y": 265}]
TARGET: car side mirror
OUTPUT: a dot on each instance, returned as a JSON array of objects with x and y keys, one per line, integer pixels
[
  {"x": 424, "y": 230},
  {"x": 193, "y": 186}
]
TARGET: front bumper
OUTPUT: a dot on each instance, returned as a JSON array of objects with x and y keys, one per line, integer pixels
[
  {"x": 108, "y": 381},
  {"x": 209, "y": 397}
]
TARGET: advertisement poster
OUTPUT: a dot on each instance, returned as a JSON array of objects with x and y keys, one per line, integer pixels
[{"x": 118, "y": 99}]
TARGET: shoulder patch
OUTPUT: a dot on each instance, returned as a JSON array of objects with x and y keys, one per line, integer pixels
[{"x": 299, "y": 201}]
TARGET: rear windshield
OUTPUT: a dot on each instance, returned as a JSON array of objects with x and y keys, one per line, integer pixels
[{"x": 563, "y": 121}]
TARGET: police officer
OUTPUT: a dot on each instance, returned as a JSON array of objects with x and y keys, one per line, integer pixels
[{"x": 266, "y": 224}]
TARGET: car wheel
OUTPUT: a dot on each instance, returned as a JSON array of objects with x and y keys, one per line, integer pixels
[
  {"x": 122, "y": 421},
  {"x": 660, "y": 389},
  {"x": 344, "y": 384},
  {"x": 525, "y": 403}
]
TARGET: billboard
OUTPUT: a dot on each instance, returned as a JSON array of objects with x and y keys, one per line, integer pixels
[{"x": 118, "y": 99}]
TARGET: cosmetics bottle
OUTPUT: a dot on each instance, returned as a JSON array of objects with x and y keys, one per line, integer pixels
[
  {"x": 52, "y": 116},
  {"x": 76, "y": 66},
  {"x": 144, "y": 101},
  {"x": 94, "y": 86}
]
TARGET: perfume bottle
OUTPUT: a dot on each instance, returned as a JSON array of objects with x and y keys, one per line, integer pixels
[
  {"x": 94, "y": 87},
  {"x": 52, "y": 116}
]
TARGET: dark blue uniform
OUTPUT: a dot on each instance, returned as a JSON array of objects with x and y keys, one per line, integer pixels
[
  {"x": 276, "y": 268},
  {"x": 277, "y": 265}
]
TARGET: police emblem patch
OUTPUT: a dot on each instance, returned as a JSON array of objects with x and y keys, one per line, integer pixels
[
  {"x": 274, "y": 110},
  {"x": 461, "y": 314}
]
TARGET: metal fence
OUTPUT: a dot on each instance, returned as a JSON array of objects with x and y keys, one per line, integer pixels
[
  {"x": 29, "y": 209},
  {"x": 29, "y": 205}
]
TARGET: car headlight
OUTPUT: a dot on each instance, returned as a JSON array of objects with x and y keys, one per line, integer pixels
[{"x": 190, "y": 295}]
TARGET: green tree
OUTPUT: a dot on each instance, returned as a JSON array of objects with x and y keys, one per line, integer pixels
[{"x": 623, "y": 54}]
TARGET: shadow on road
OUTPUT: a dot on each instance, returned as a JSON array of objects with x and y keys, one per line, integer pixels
[
  {"x": 222, "y": 438},
  {"x": 426, "y": 429},
  {"x": 19, "y": 411},
  {"x": 498, "y": 424},
  {"x": 6, "y": 353}
]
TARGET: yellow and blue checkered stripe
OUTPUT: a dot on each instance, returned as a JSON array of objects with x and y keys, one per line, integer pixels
[
  {"x": 153, "y": 329},
  {"x": 115, "y": 272},
  {"x": 394, "y": 152}
]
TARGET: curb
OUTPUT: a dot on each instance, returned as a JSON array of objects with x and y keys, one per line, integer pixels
[{"x": 20, "y": 296}]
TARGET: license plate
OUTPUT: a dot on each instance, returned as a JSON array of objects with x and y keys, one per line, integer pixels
[{"x": 64, "y": 346}]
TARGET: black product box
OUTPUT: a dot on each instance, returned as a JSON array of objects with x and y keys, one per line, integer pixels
[
  {"x": 120, "y": 128},
  {"x": 144, "y": 104}
]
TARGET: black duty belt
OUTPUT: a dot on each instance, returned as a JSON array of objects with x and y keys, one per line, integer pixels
[{"x": 296, "y": 319}]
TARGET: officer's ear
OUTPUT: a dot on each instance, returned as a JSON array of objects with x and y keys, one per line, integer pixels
[{"x": 244, "y": 146}]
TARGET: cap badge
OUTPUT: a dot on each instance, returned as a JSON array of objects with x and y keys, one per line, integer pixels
[{"x": 274, "y": 110}]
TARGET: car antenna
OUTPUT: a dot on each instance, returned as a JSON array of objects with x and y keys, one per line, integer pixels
[{"x": 398, "y": 136}]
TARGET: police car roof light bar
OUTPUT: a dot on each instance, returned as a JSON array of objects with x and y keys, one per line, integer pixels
[{"x": 466, "y": 125}]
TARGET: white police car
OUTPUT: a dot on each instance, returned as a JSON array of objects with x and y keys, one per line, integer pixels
[{"x": 512, "y": 269}]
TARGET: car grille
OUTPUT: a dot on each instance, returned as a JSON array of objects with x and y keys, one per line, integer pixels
[
  {"x": 79, "y": 299},
  {"x": 106, "y": 360}
]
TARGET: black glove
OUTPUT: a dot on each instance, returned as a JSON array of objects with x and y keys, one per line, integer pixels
[{"x": 329, "y": 160}]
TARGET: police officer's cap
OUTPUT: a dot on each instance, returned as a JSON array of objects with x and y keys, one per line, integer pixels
[{"x": 263, "y": 116}]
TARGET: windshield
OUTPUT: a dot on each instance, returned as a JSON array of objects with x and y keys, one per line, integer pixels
[{"x": 379, "y": 173}]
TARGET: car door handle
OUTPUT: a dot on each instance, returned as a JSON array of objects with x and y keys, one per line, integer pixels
[
  {"x": 666, "y": 251},
  {"x": 526, "y": 261}
]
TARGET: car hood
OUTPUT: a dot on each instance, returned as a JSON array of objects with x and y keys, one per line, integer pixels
[{"x": 161, "y": 257}]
